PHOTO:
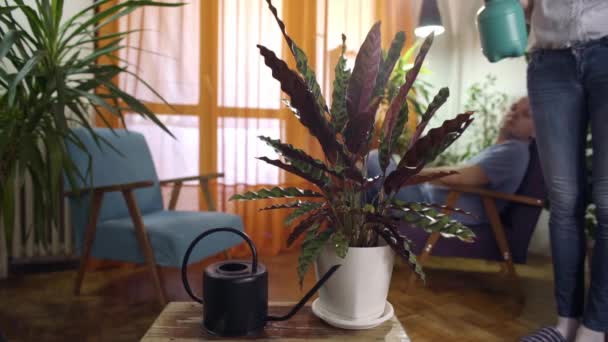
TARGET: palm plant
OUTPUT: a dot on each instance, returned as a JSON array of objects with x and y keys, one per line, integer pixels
[
  {"x": 337, "y": 211},
  {"x": 51, "y": 79}
]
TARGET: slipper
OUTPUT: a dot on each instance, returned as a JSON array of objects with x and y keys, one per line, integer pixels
[{"x": 548, "y": 334}]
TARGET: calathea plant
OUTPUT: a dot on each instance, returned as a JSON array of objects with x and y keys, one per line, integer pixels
[{"x": 338, "y": 212}]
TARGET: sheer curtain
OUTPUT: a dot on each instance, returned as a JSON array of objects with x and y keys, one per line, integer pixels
[
  {"x": 164, "y": 51},
  {"x": 249, "y": 105},
  {"x": 203, "y": 59}
]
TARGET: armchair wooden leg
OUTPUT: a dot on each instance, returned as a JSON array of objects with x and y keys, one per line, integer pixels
[
  {"x": 204, "y": 184},
  {"x": 175, "y": 195},
  {"x": 88, "y": 240},
  {"x": 499, "y": 234},
  {"x": 144, "y": 243}
]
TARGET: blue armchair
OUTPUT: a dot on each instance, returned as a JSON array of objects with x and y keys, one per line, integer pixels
[{"x": 118, "y": 212}]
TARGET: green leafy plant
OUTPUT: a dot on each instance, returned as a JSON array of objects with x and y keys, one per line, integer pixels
[
  {"x": 590, "y": 221},
  {"x": 420, "y": 95},
  {"x": 418, "y": 98},
  {"x": 489, "y": 104},
  {"x": 590, "y": 210},
  {"x": 50, "y": 80},
  {"x": 337, "y": 212}
]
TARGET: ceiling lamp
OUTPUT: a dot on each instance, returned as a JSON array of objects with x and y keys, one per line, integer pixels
[{"x": 430, "y": 20}]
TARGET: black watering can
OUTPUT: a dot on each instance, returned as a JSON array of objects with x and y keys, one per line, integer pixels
[{"x": 235, "y": 292}]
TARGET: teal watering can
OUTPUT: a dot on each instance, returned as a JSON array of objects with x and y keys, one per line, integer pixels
[{"x": 502, "y": 29}]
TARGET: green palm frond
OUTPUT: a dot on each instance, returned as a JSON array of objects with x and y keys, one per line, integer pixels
[{"x": 51, "y": 79}]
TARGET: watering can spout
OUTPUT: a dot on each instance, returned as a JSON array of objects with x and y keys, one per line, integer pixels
[{"x": 307, "y": 296}]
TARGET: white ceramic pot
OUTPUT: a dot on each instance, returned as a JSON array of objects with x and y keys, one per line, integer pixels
[{"x": 359, "y": 288}]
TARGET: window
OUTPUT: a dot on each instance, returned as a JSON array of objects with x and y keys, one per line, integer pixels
[
  {"x": 173, "y": 158},
  {"x": 163, "y": 43},
  {"x": 239, "y": 145},
  {"x": 243, "y": 79}
]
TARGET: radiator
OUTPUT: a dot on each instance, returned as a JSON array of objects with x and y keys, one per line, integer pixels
[{"x": 23, "y": 248}]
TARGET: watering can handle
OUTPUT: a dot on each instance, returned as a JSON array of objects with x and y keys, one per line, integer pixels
[{"x": 254, "y": 255}]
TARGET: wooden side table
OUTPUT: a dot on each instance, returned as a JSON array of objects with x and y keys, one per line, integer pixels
[{"x": 182, "y": 321}]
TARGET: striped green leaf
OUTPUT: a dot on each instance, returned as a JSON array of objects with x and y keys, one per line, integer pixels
[
  {"x": 315, "y": 218},
  {"x": 433, "y": 221},
  {"x": 289, "y": 205},
  {"x": 387, "y": 228},
  {"x": 438, "y": 101},
  {"x": 338, "y": 101},
  {"x": 301, "y": 63},
  {"x": 276, "y": 192},
  {"x": 311, "y": 174},
  {"x": 340, "y": 243},
  {"x": 388, "y": 63},
  {"x": 388, "y": 142},
  {"x": 311, "y": 248},
  {"x": 301, "y": 160},
  {"x": 305, "y": 208}
]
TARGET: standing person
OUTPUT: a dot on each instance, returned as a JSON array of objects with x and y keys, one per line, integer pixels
[{"x": 568, "y": 90}]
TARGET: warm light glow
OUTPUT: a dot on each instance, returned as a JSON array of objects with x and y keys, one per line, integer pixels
[{"x": 424, "y": 31}]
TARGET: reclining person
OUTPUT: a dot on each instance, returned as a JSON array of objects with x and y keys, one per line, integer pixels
[{"x": 500, "y": 167}]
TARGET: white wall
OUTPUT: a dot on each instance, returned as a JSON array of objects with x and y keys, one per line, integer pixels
[
  {"x": 456, "y": 60},
  {"x": 70, "y": 7}
]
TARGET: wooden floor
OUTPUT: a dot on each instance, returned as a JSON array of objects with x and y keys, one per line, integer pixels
[{"x": 462, "y": 301}]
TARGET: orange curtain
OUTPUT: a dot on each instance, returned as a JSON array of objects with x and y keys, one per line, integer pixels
[
  {"x": 216, "y": 58},
  {"x": 396, "y": 15},
  {"x": 249, "y": 105}
]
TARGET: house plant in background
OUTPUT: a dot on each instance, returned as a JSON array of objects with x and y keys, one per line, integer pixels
[
  {"x": 51, "y": 79},
  {"x": 590, "y": 214},
  {"x": 489, "y": 105},
  {"x": 418, "y": 98},
  {"x": 336, "y": 220}
]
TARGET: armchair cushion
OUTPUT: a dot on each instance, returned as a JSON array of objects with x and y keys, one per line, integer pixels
[{"x": 170, "y": 233}]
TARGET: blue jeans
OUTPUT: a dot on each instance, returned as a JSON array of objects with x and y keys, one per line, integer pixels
[{"x": 568, "y": 91}]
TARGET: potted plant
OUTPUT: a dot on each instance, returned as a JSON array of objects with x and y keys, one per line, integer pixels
[
  {"x": 52, "y": 79},
  {"x": 338, "y": 220}
]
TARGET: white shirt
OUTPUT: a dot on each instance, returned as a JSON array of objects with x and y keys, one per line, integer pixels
[{"x": 562, "y": 23}]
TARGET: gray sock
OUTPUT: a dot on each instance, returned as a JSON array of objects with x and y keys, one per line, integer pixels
[
  {"x": 567, "y": 327},
  {"x": 585, "y": 334}
]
